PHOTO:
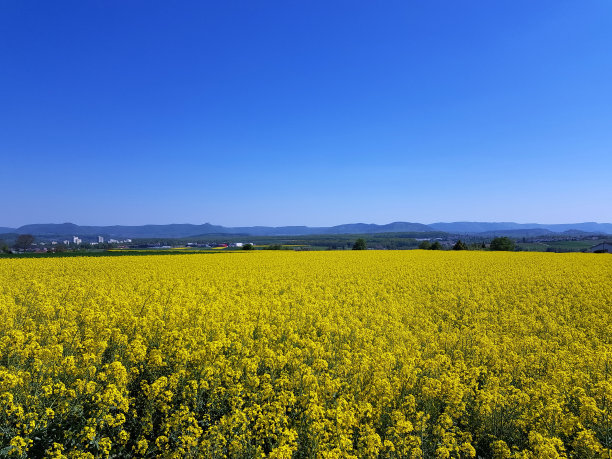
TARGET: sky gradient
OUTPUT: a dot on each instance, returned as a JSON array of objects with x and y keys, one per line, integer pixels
[{"x": 305, "y": 112}]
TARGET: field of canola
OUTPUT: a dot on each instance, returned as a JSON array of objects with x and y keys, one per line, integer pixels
[{"x": 304, "y": 355}]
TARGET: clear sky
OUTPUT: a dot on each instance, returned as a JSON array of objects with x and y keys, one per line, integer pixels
[{"x": 305, "y": 112}]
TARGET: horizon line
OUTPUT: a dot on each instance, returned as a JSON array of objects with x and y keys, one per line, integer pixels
[{"x": 314, "y": 226}]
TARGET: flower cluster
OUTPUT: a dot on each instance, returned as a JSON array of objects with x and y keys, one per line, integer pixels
[{"x": 307, "y": 355}]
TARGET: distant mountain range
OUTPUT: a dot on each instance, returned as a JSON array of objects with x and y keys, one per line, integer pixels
[
  {"x": 189, "y": 230},
  {"x": 481, "y": 227},
  {"x": 64, "y": 230}
]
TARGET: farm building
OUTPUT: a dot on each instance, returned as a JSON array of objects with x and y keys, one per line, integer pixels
[{"x": 602, "y": 247}]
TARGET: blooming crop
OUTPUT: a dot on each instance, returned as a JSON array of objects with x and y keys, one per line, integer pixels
[{"x": 307, "y": 354}]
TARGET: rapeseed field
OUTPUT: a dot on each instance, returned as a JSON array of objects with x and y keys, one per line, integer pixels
[{"x": 306, "y": 355}]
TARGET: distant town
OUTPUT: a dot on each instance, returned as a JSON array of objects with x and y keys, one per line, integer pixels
[{"x": 77, "y": 241}]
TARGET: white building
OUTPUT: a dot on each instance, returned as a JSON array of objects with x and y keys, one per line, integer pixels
[
  {"x": 76, "y": 239},
  {"x": 100, "y": 239}
]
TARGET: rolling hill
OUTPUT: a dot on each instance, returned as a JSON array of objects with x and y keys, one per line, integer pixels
[{"x": 64, "y": 230}]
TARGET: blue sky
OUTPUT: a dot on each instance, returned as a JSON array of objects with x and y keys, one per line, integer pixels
[{"x": 305, "y": 112}]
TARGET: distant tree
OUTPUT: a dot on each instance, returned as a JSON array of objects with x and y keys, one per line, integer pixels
[
  {"x": 24, "y": 241},
  {"x": 425, "y": 245},
  {"x": 3, "y": 246},
  {"x": 273, "y": 247},
  {"x": 59, "y": 248},
  {"x": 360, "y": 244},
  {"x": 248, "y": 247},
  {"x": 460, "y": 245},
  {"x": 436, "y": 246},
  {"x": 502, "y": 243},
  {"x": 483, "y": 245}
]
